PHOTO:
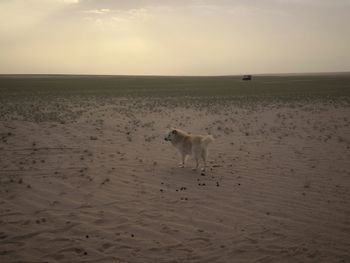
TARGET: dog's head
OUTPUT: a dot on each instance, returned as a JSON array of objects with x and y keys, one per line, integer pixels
[{"x": 171, "y": 135}]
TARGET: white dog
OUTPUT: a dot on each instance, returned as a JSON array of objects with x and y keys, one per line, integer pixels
[{"x": 188, "y": 144}]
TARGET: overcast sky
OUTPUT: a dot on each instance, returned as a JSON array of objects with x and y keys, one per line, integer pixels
[{"x": 178, "y": 37}]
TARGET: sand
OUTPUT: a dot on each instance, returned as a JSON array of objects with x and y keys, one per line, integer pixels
[{"x": 105, "y": 187}]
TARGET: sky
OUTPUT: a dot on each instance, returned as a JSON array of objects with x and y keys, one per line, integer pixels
[{"x": 178, "y": 37}]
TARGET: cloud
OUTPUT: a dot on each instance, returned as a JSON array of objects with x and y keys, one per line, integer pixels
[
  {"x": 97, "y": 11},
  {"x": 263, "y": 4},
  {"x": 19, "y": 15},
  {"x": 132, "y": 4}
]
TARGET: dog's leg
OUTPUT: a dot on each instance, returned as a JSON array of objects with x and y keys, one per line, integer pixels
[
  {"x": 204, "y": 158},
  {"x": 197, "y": 164},
  {"x": 195, "y": 154},
  {"x": 182, "y": 164}
]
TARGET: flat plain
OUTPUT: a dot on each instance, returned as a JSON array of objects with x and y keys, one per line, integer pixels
[{"x": 86, "y": 176}]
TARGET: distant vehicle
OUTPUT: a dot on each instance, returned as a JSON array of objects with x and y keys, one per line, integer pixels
[{"x": 247, "y": 77}]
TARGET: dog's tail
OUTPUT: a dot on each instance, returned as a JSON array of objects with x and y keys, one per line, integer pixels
[{"x": 208, "y": 139}]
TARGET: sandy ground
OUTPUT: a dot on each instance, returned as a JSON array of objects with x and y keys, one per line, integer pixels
[{"x": 106, "y": 187}]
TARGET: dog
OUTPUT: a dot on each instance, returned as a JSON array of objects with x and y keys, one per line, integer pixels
[{"x": 187, "y": 144}]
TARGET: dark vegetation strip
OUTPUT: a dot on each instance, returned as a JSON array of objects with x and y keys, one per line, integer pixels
[{"x": 158, "y": 87}]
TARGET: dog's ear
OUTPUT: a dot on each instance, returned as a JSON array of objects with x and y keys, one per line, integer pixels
[{"x": 174, "y": 132}]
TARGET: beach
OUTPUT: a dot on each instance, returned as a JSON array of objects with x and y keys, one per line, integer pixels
[{"x": 86, "y": 175}]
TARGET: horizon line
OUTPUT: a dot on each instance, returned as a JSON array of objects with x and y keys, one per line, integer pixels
[{"x": 154, "y": 75}]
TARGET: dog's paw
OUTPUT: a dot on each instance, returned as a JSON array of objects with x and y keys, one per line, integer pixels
[{"x": 181, "y": 165}]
